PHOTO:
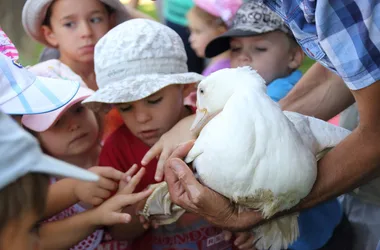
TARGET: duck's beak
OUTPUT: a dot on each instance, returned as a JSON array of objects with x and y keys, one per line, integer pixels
[{"x": 201, "y": 118}]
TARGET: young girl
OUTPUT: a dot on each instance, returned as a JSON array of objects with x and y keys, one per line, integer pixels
[
  {"x": 72, "y": 134},
  {"x": 74, "y": 27},
  {"x": 207, "y": 20}
]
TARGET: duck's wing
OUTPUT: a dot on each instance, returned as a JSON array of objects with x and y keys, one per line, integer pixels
[{"x": 326, "y": 135}]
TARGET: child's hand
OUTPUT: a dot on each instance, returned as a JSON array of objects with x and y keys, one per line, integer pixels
[
  {"x": 168, "y": 142},
  {"x": 244, "y": 240},
  {"x": 110, "y": 212},
  {"x": 148, "y": 223},
  {"x": 127, "y": 177},
  {"x": 95, "y": 193}
]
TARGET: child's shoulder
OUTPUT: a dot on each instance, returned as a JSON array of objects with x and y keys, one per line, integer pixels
[{"x": 54, "y": 68}]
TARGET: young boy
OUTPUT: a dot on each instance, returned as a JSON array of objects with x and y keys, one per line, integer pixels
[
  {"x": 141, "y": 69},
  {"x": 260, "y": 39}
]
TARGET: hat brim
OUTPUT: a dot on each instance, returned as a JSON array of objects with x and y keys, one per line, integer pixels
[
  {"x": 43, "y": 95},
  {"x": 42, "y": 122},
  {"x": 34, "y": 12},
  {"x": 222, "y": 42},
  {"x": 136, "y": 88},
  {"x": 51, "y": 166}
]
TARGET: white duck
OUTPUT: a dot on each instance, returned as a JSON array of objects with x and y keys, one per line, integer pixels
[{"x": 253, "y": 153}]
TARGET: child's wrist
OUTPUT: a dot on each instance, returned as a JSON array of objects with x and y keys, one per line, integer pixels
[{"x": 93, "y": 218}]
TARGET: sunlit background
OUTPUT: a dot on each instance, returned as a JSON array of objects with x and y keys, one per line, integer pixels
[{"x": 10, "y": 21}]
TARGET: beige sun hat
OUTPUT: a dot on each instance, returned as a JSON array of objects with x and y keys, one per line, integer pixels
[
  {"x": 136, "y": 59},
  {"x": 34, "y": 13}
]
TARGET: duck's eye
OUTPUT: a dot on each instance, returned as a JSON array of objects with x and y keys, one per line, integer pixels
[{"x": 202, "y": 91}]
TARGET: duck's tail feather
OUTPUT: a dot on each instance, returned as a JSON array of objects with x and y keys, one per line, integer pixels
[{"x": 277, "y": 234}]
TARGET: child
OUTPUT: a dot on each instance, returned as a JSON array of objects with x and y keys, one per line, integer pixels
[
  {"x": 207, "y": 20},
  {"x": 141, "y": 69},
  {"x": 259, "y": 38},
  {"x": 72, "y": 134},
  {"x": 73, "y": 27},
  {"x": 24, "y": 184}
]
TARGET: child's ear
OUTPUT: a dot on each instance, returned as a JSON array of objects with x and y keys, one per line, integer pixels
[
  {"x": 49, "y": 36},
  {"x": 188, "y": 88},
  {"x": 296, "y": 57}
]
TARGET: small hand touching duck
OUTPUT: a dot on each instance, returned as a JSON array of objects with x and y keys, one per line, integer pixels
[{"x": 255, "y": 154}]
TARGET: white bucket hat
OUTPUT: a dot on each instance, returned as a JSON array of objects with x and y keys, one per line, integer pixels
[
  {"x": 34, "y": 13},
  {"x": 136, "y": 59},
  {"x": 21, "y": 154}
]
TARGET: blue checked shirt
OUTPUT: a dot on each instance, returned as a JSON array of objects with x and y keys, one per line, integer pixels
[{"x": 342, "y": 35}]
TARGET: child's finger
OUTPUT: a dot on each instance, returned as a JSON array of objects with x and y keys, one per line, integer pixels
[
  {"x": 102, "y": 193},
  {"x": 135, "y": 180},
  {"x": 243, "y": 239},
  {"x": 107, "y": 184},
  {"x": 160, "y": 165},
  {"x": 227, "y": 235},
  {"x": 123, "y": 200},
  {"x": 117, "y": 218},
  {"x": 248, "y": 245},
  {"x": 131, "y": 172},
  {"x": 96, "y": 201},
  {"x": 153, "y": 152},
  {"x": 110, "y": 173}
]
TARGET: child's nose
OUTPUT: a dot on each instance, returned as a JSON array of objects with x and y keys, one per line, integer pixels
[
  {"x": 85, "y": 29},
  {"x": 73, "y": 124},
  {"x": 142, "y": 116},
  {"x": 244, "y": 59}
]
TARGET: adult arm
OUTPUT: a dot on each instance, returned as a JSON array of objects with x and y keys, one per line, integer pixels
[
  {"x": 319, "y": 93},
  {"x": 356, "y": 160}
]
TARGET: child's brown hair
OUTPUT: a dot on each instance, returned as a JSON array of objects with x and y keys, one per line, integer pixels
[{"x": 26, "y": 194}]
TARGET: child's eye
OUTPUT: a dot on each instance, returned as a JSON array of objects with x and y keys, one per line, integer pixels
[
  {"x": 79, "y": 109},
  {"x": 96, "y": 19},
  {"x": 235, "y": 49},
  {"x": 125, "y": 108},
  {"x": 69, "y": 24},
  {"x": 35, "y": 230},
  {"x": 155, "y": 101},
  {"x": 57, "y": 123},
  {"x": 261, "y": 49}
]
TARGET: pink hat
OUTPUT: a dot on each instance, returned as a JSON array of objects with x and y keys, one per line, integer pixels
[
  {"x": 42, "y": 122},
  {"x": 7, "y": 47},
  {"x": 225, "y": 9}
]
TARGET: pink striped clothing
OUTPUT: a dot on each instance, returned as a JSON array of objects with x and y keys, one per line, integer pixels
[{"x": 7, "y": 47}]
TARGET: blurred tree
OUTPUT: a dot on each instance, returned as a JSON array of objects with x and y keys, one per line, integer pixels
[{"x": 10, "y": 21}]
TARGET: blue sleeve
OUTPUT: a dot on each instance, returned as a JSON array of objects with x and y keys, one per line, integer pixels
[
  {"x": 278, "y": 90},
  {"x": 317, "y": 225}
]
